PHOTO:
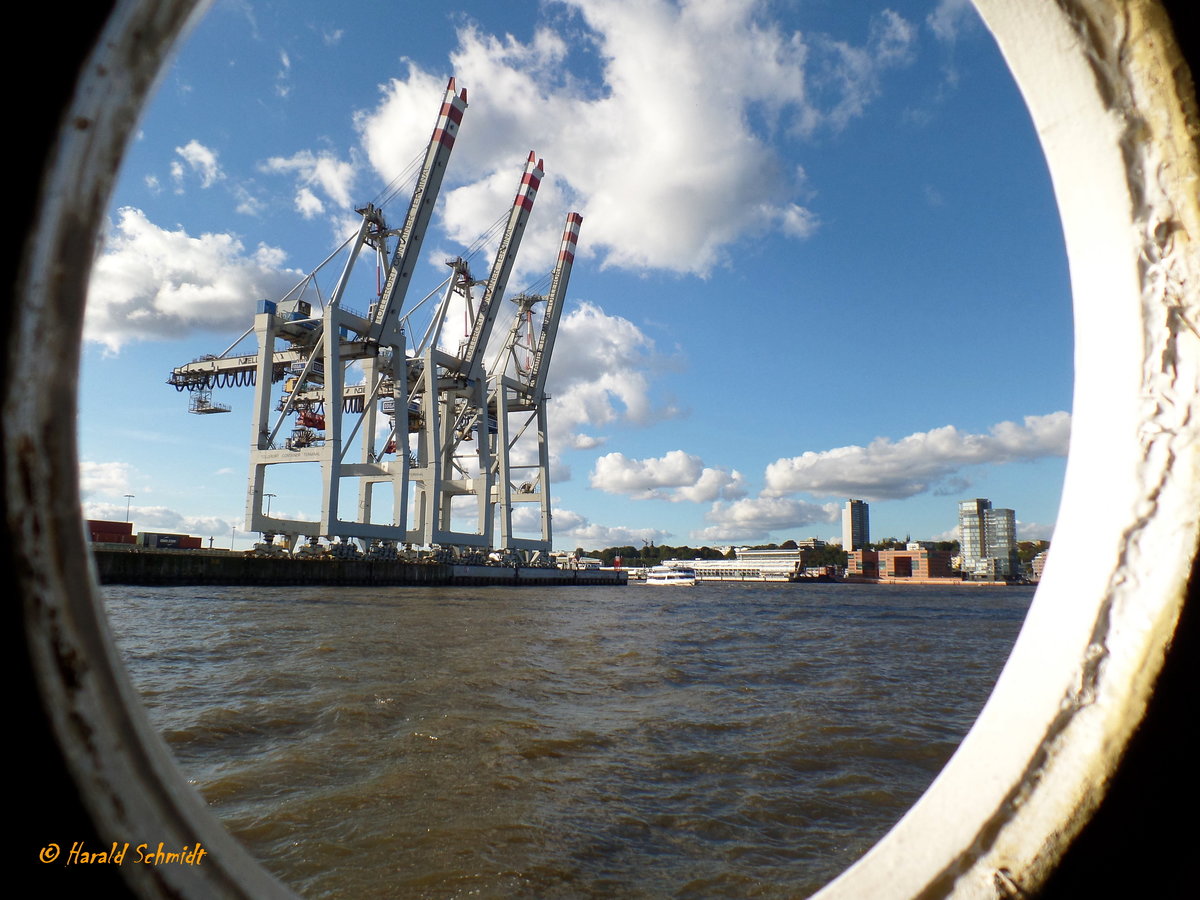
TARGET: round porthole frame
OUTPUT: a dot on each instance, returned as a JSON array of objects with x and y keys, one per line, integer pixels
[{"x": 1112, "y": 98}]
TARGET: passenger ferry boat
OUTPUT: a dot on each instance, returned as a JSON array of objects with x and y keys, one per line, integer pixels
[{"x": 680, "y": 576}]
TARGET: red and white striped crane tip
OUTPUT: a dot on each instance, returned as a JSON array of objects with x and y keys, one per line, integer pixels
[
  {"x": 570, "y": 237},
  {"x": 530, "y": 182},
  {"x": 450, "y": 116},
  {"x": 535, "y": 163}
]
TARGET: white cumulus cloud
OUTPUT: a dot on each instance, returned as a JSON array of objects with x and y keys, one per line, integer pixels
[
  {"x": 1033, "y": 531},
  {"x": 851, "y": 74},
  {"x": 163, "y": 519},
  {"x": 201, "y": 161},
  {"x": 315, "y": 171},
  {"x": 105, "y": 478},
  {"x": 888, "y": 470},
  {"x": 308, "y": 204},
  {"x": 671, "y": 158},
  {"x": 600, "y": 375},
  {"x": 571, "y": 529},
  {"x": 950, "y": 17},
  {"x": 755, "y": 518},
  {"x": 152, "y": 284},
  {"x": 675, "y": 476}
]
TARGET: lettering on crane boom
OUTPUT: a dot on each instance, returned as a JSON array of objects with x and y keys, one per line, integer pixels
[
  {"x": 486, "y": 303},
  {"x": 401, "y": 244},
  {"x": 551, "y": 300}
]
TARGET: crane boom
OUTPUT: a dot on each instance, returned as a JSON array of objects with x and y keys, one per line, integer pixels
[
  {"x": 529, "y": 380},
  {"x": 506, "y": 255},
  {"x": 554, "y": 304},
  {"x": 519, "y": 482},
  {"x": 386, "y": 315}
]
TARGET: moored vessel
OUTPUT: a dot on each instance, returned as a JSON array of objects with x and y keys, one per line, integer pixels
[{"x": 679, "y": 576}]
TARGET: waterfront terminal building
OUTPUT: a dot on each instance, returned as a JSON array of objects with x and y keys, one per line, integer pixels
[{"x": 755, "y": 565}]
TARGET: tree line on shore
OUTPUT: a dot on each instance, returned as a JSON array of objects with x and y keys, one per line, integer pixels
[
  {"x": 828, "y": 555},
  {"x": 653, "y": 554}
]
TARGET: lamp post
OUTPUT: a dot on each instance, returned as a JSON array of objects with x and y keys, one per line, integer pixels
[
  {"x": 128, "y": 500},
  {"x": 269, "y": 496}
]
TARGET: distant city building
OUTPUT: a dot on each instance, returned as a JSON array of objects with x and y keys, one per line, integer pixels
[
  {"x": 750, "y": 565},
  {"x": 1039, "y": 564},
  {"x": 856, "y": 525},
  {"x": 970, "y": 530},
  {"x": 916, "y": 563},
  {"x": 1001, "y": 533},
  {"x": 987, "y": 540},
  {"x": 745, "y": 554},
  {"x": 566, "y": 560}
]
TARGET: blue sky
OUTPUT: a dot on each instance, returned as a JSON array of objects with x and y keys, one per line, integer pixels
[{"x": 820, "y": 256}]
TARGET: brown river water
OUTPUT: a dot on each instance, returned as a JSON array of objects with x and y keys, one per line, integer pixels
[{"x": 725, "y": 740}]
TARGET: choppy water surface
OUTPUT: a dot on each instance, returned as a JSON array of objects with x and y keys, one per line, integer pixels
[{"x": 721, "y": 741}]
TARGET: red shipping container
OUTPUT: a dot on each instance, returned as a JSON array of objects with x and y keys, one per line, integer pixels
[
  {"x": 108, "y": 537},
  {"x": 100, "y": 525}
]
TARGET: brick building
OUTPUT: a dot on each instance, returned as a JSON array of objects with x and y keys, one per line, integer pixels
[{"x": 915, "y": 563}]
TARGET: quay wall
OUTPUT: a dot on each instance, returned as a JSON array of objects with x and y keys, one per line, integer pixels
[
  {"x": 183, "y": 567},
  {"x": 941, "y": 582}
]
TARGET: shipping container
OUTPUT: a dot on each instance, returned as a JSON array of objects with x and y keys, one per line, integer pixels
[
  {"x": 108, "y": 537},
  {"x": 160, "y": 541},
  {"x": 110, "y": 527}
]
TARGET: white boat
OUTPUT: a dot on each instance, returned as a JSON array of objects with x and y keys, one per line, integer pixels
[{"x": 680, "y": 576}]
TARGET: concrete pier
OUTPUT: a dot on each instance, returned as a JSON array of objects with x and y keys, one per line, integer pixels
[{"x": 185, "y": 567}]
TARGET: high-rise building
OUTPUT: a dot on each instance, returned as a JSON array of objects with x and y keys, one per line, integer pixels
[
  {"x": 856, "y": 525},
  {"x": 1001, "y": 532},
  {"x": 971, "y": 540},
  {"x": 987, "y": 538}
]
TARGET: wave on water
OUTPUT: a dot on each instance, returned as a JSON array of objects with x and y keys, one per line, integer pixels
[{"x": 742, "y": 741}]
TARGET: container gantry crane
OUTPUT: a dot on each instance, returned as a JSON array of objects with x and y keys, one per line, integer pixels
[
  {"x": 517, "y": 388},
  {"x": 437, "y": 398},
  {"x": 449, "y": 390},
  {"x": 310, "y": 355}
]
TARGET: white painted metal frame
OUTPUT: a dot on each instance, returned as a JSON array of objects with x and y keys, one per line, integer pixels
[
  {"x": 330, "y": 344},
  {"x": 1109, "y": 95},
  {"x": 452, "y": 391},
  {"x": 517, "y": 389}
]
